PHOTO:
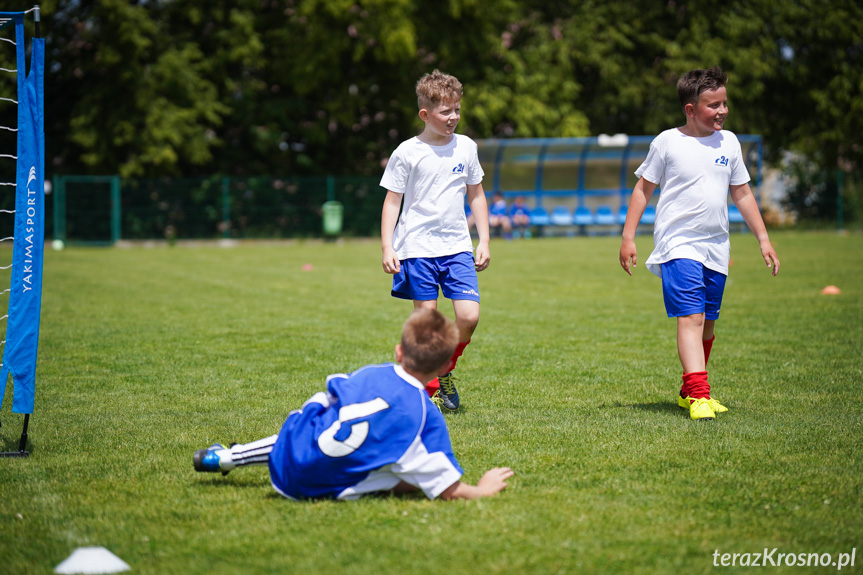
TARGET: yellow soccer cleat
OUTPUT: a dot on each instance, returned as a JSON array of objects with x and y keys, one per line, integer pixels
[
  {"x": 717, "y": 407},
  {"x": 700, "y": 409},
  {"x": 684, "y": 402},
  {"x": 437, "y": 400}
]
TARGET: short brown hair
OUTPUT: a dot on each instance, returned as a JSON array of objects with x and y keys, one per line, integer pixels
[
  {"x": 691, "y": 85},
  {"x": 428, "y": 341},
  {"x": 438, "y": 88}
]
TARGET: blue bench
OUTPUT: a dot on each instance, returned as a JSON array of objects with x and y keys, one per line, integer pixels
[
  {"x": 561, "y": 216},
  {"x": 621, "y": 214},
  {"x": 605, "y": 216},
  {"x": 539, "y": 217},
  {"x": 735, "y": 217},
  {"x": 649, "y": 216},
  {"x": 583, "y": 218}
]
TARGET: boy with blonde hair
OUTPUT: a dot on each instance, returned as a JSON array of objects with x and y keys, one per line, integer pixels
[
  {"x": 429, "y": 246},
  {"x": 695, "y": 166},
  {"x": 373, "y": 430}
]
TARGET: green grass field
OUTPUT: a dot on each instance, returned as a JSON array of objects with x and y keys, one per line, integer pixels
[{"x": 148, "y": 354}]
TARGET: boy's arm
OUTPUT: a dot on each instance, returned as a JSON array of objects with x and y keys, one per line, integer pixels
[
  {"x": 389, "y": 218},
  {"x": 494, "y": 481},
  {"x": 641, "y": 195},
  {"x": 744, "y": 199},
  {"x": 479, "y": 209}
]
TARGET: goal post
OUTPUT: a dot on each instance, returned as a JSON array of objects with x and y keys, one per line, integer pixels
[{"x": 24, "y": 292}]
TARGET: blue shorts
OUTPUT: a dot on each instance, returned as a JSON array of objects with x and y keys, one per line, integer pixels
[
  {"x": 419, "y": 278},
  {"x": 689, "y": 288}
]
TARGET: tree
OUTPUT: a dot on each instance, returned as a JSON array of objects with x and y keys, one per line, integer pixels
[
  {"x": 125, "y": 99},
  {"x": 153, "y": 87}
]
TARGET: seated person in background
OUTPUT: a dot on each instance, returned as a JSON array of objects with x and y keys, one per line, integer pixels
[
  {"x": 519, "y": 215},
  {"x": 497, "y": 215}
]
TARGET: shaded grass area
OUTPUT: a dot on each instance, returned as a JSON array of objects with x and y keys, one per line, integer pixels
[{"x": 148, "y": 354}]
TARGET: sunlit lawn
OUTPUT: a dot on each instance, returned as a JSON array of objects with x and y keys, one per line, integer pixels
[{"x": 148, "y": 354}]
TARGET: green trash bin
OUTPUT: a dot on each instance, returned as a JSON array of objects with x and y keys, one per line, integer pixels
[{"x": 333, "y": 213}]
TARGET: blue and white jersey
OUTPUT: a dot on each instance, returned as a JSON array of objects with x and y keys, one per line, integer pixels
[
  {"x": 517, "y": 209},
  {"x": 372, "y": 429}
]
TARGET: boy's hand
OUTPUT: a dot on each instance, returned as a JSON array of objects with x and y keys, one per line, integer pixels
[
  {"x": 391, "y": 262},
  {"x": 494, "y": 480},
  {"x": 769, "y": 255},
  {"x": 628, "y": 253},
  {"x": 483, "y": 257}
]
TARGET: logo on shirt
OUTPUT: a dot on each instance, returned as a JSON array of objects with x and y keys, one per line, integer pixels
[
  {"x": 721, "y": 161},
  {"x": 458, "y": 169}
]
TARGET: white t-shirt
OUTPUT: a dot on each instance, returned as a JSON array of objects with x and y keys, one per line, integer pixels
[
  {"x": 693, "y": 175},
  {"x": 434, "y": 181}
]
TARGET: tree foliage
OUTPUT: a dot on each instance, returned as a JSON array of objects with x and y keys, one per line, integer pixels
[{"x": 149, "y": 87}]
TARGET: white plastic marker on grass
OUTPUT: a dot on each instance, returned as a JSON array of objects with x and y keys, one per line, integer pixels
[{"x": 92, "y": 560}]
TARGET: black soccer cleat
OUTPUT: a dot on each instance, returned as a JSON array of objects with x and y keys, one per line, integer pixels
[{"x": 448, "y": 392}]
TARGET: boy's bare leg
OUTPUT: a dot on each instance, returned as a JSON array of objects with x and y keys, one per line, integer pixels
[
  {"x": 466, "y": 318},
  {"x": 690, "y": 331},
  {"x": 466, "y": 315},
  {"x": 707, "y": 339},
  {"x": 433, "y": 386},
  {"x": 690, "y": 348},
  {"x": 709, "y": 325}
]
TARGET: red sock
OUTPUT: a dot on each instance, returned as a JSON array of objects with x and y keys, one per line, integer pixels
[
  {"x": 459, "y": 349},
  {"x": 695, "y": 385},
  {"x": 432, "y": 387},
  {"x": 708, "y": 345}
]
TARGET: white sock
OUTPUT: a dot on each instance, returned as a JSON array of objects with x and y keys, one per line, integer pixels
[{"x": 254, "y": 453}]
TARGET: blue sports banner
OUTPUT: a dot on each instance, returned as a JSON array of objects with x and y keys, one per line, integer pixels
[{"x": 25, "y": 297}]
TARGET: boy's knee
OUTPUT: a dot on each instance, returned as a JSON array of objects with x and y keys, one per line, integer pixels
[
  {"x": 425, "y": 304},
  {"x": 469, "y": 322},
  {"x": 468, "y": 318},
  {"x": 694, "y": 320}
]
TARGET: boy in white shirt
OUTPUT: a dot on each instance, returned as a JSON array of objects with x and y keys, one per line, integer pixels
[
  {"x": 429, "y": 245},
  {"x": 694, "y": 165}
]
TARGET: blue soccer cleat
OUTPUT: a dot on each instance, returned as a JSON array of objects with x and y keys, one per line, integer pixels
[{"x": 208, "y": 460}]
